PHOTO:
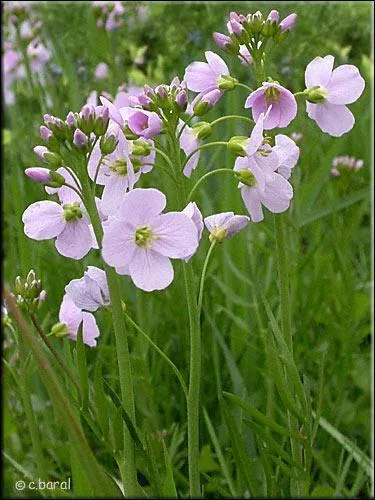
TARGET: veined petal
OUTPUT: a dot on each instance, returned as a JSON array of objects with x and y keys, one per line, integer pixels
[
  {"x": 75, "y": 241},
  {"x": 345, "y": 86},
  {"x": 199, "y": 77},
  {"x": 318, "y": 71},
  {"x": 113, "y": 193},
  {"x": 252, "y": 202},
  {"x": 141, "y": 205},
  {"x": 335, "y": 119},
  {"x": 118, "y": 246},
  {"x": 90, "y": 330},
  {"x": 43, "y": 220},
  {"x": 174, "y": 235},
  {"x": 150, "y": 270},
  {"x": 216, "y": 64}
]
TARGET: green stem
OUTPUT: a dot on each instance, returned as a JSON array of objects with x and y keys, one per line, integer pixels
[
  {"x": 204, "y": 146},
  {"x": 244, "y": 86},
  {"x": 128, "y": 472},
  {"x": 203, "y": 276},
  {"x": 159, "y": 351},
  {"x": 195, "y": 351},
  {"x": 231, "y": 117},
  {"x": 205, "y": 176}
]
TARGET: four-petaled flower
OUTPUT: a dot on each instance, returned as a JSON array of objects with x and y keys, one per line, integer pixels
[
  {"x": 329, "y": 91},
  {"x": 225, "y": 225},
  {"x": 91, "y": 291},
  {"x": 140, "y": 240},
  {"x": 72, "y": 316}
]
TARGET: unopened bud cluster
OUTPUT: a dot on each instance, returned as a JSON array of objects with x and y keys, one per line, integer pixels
[
  {"x": 252, "y": 30},
  {"x": 171, "y": 98},
  {"x": 29, "y": 292}
]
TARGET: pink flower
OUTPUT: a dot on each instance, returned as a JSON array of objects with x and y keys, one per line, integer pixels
[
  {"x": 259, "y": 182},
  {"x": 38, "y": 54},
  {"x": 283, "y": 102},
  {"x": 329, "y": 91},
  {"x": 45, "y": 220},
  {"x": 245, "y": 56},
  {"x": 288, "y": 22},
  {"x": 194, "y": 214},
  {"x": 225, "y": 225},
  {"x": 203, "y": 77},
  {"x": 140, "y": 240},
  {"x": 72, "y": 316},
  {"x": 145, "y": 124},
  {"x": 288, "y": 154},
  {"x": 117, "y": 172},
  {"x": 91, "y": 291},
  {"x": 101, "y": 71}
]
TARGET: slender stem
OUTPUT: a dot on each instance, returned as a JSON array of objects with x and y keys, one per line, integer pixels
[
  {"x": 204, "y": 146},
  {"x": 128, "y": 472},
  {"x": 74, "y": 176},
  {"x": 96, "y": 174},
  {"x": 195, "y": 351},
  {"x": 159, "y": 351},
  {"x": 205, "y": 176},
  {"x": 231, "y": 117},
  {"x": 299, "y": 93},
  {"x": 165, "y": 156},
  {"x": 203, "y": 276},
  {"x": 74, "y": 189},
  {"x": 52, "y": 349},
  {"x": 244, "y": 86}
]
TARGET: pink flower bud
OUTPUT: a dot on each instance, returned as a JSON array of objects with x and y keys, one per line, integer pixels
[
  {"x": 273, "y": 16},
  {"x": 80, "y": 139},
  {"x": 70, "y": 120},
  {"x": 222, "y": 41},
  {"x": 45, "y": 133},
  {"x": 181, "y": 99},
  {"x": 288, "y": 22},
  {"x": 236, "y": 27},
  {"x": 101, "y": 71},
  {"x": 40, "y": 151},
  {"x": 39, "y": 174}
]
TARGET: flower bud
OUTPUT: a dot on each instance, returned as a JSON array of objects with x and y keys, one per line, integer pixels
[
  {"x": 40, "y": 151},
  {"x": 144, "y": 100},
  {"x": 101, "y": 122},
  {"x": 237, "y": 145},
  {"x": 45, "y": 133},
  {"x": 141, "y": 148},
  {"x": 87, "y": 121},
  {"x": 108, "y": 144},
  {"x": 161, "y": 91},
  {"x": 239, "y": 31},
  {"x": 181, "y": 99},
  {"x": 71, "y": 120},
  {"x": 206, "y": 102},
  {"x": 227, "y": 82},
  {"x": 273, "y": 16},
  {"x": 38, "y": 174},
  {"x": 246, "y": 177},
  {"x": 59, "y": 330},
  {"x": 53, "y": 159},
  {"x": 202, "y": 130},
  {"x": 256, "y": 23},
  {"x": 288, "y": 22},
  {"x": 30, "y": 278},
  {"x": 80, "y": 140},
  {"x": 18, "y": 285}
]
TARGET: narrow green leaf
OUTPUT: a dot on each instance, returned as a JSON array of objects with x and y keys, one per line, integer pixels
[
  {"x": 82, "y": 370},
  {"x": 100, "y": 401},
  {"x": 169, "y": 486}
]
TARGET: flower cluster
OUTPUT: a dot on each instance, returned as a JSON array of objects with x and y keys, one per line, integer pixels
[
  {"x": 109, "y": 15},
  {"x": 29, "y": 292},
  {"x": 345, "y": 163}
]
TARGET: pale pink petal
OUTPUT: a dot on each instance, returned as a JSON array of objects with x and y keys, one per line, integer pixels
[
  {"x": 318, "y": 71},
  {"x": 216, "y": 64},
  {"x": 90, "y": 330},
  {"x": 174, "y": 235},
  {"x": 151, "y": 271},
  {"x": 288, "y": 154},
  {"x": 43, "y": 220},
  {"x": 277, "y": 194},
  {"x": 252, "y": 202},
  {"x": 118, "y": 245},
  {"x": 84, "y": 293},
  {"x": 75, "y": 241},
  {"x": 218, "y": 220},
  {"x": 114, "y": 193},
  {"x": 70, "y": 315},
  {"x": 335, "y": 119},
  {"x": 199, "y": 77},
  {"x": 113, "y": 111},
  {"x": 256, "y": 137},
  {"x": 141, "y": 205},
  {"x": 345, "y": 86}
]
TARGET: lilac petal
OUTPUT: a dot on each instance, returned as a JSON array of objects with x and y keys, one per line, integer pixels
[
  {"x": 345, "y": 86},
  {"x": 43, "y": 220},
  {"x": 90, "y": 330},
  {"x": 273, "y": 117},
  {"x": 93, "y": 163},
  {"x": 113, "y": 111},
  {"x": 70, "y": 315},
  {"x": 267, "y": 163},
  {"x": 288, "y": 154},
  {"x": 236, "y": 225},
  {"x": 288, "y": 107},
  {"x": 175, "y": 235},
  {"x": 100, "y": 277},
  {"x": 318, "y": 71},
  {"x": 85, "y": 293},
  {"x": 199, "y": 77},
  {"x": 141, "y": 205},
  {"x": 254, "y": 96},
  {"x": 218, "y": 220},
  {"x": 277, "y": 194},
  {"x": 251, "y": 163},
  {"x": 188, "y": 143},
  {"x": 118, "y": 245},
  {"x": 259, "y": 105},
  {"x": 113, "y": 193},
  {"x": 252, "y": 202},
  {"x": 150, "y": 271},
  {"x": 216, "y": 64},
  {"x": 193, "y": 212},
  {"x": 75, "y": 240},
  {"x": 256, "y": 137},
  {"x": 335, "y": 119}
]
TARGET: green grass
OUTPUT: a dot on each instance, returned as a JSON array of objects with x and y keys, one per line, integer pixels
[{"x": 245, "y": 399}]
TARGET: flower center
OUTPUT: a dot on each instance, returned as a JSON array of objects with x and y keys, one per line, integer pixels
[
  {"x": 272, "y": 95},
  {"x": 265, "y": 149},
  {"x": 315, "y": 94},
  {"x": 218, "y": 234},
  {"x": 143, "y": 237},
  {"x": 72, "y": 211},
  {"x": 246, "y": 177},
  {"x": 119, "y": 167}
]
